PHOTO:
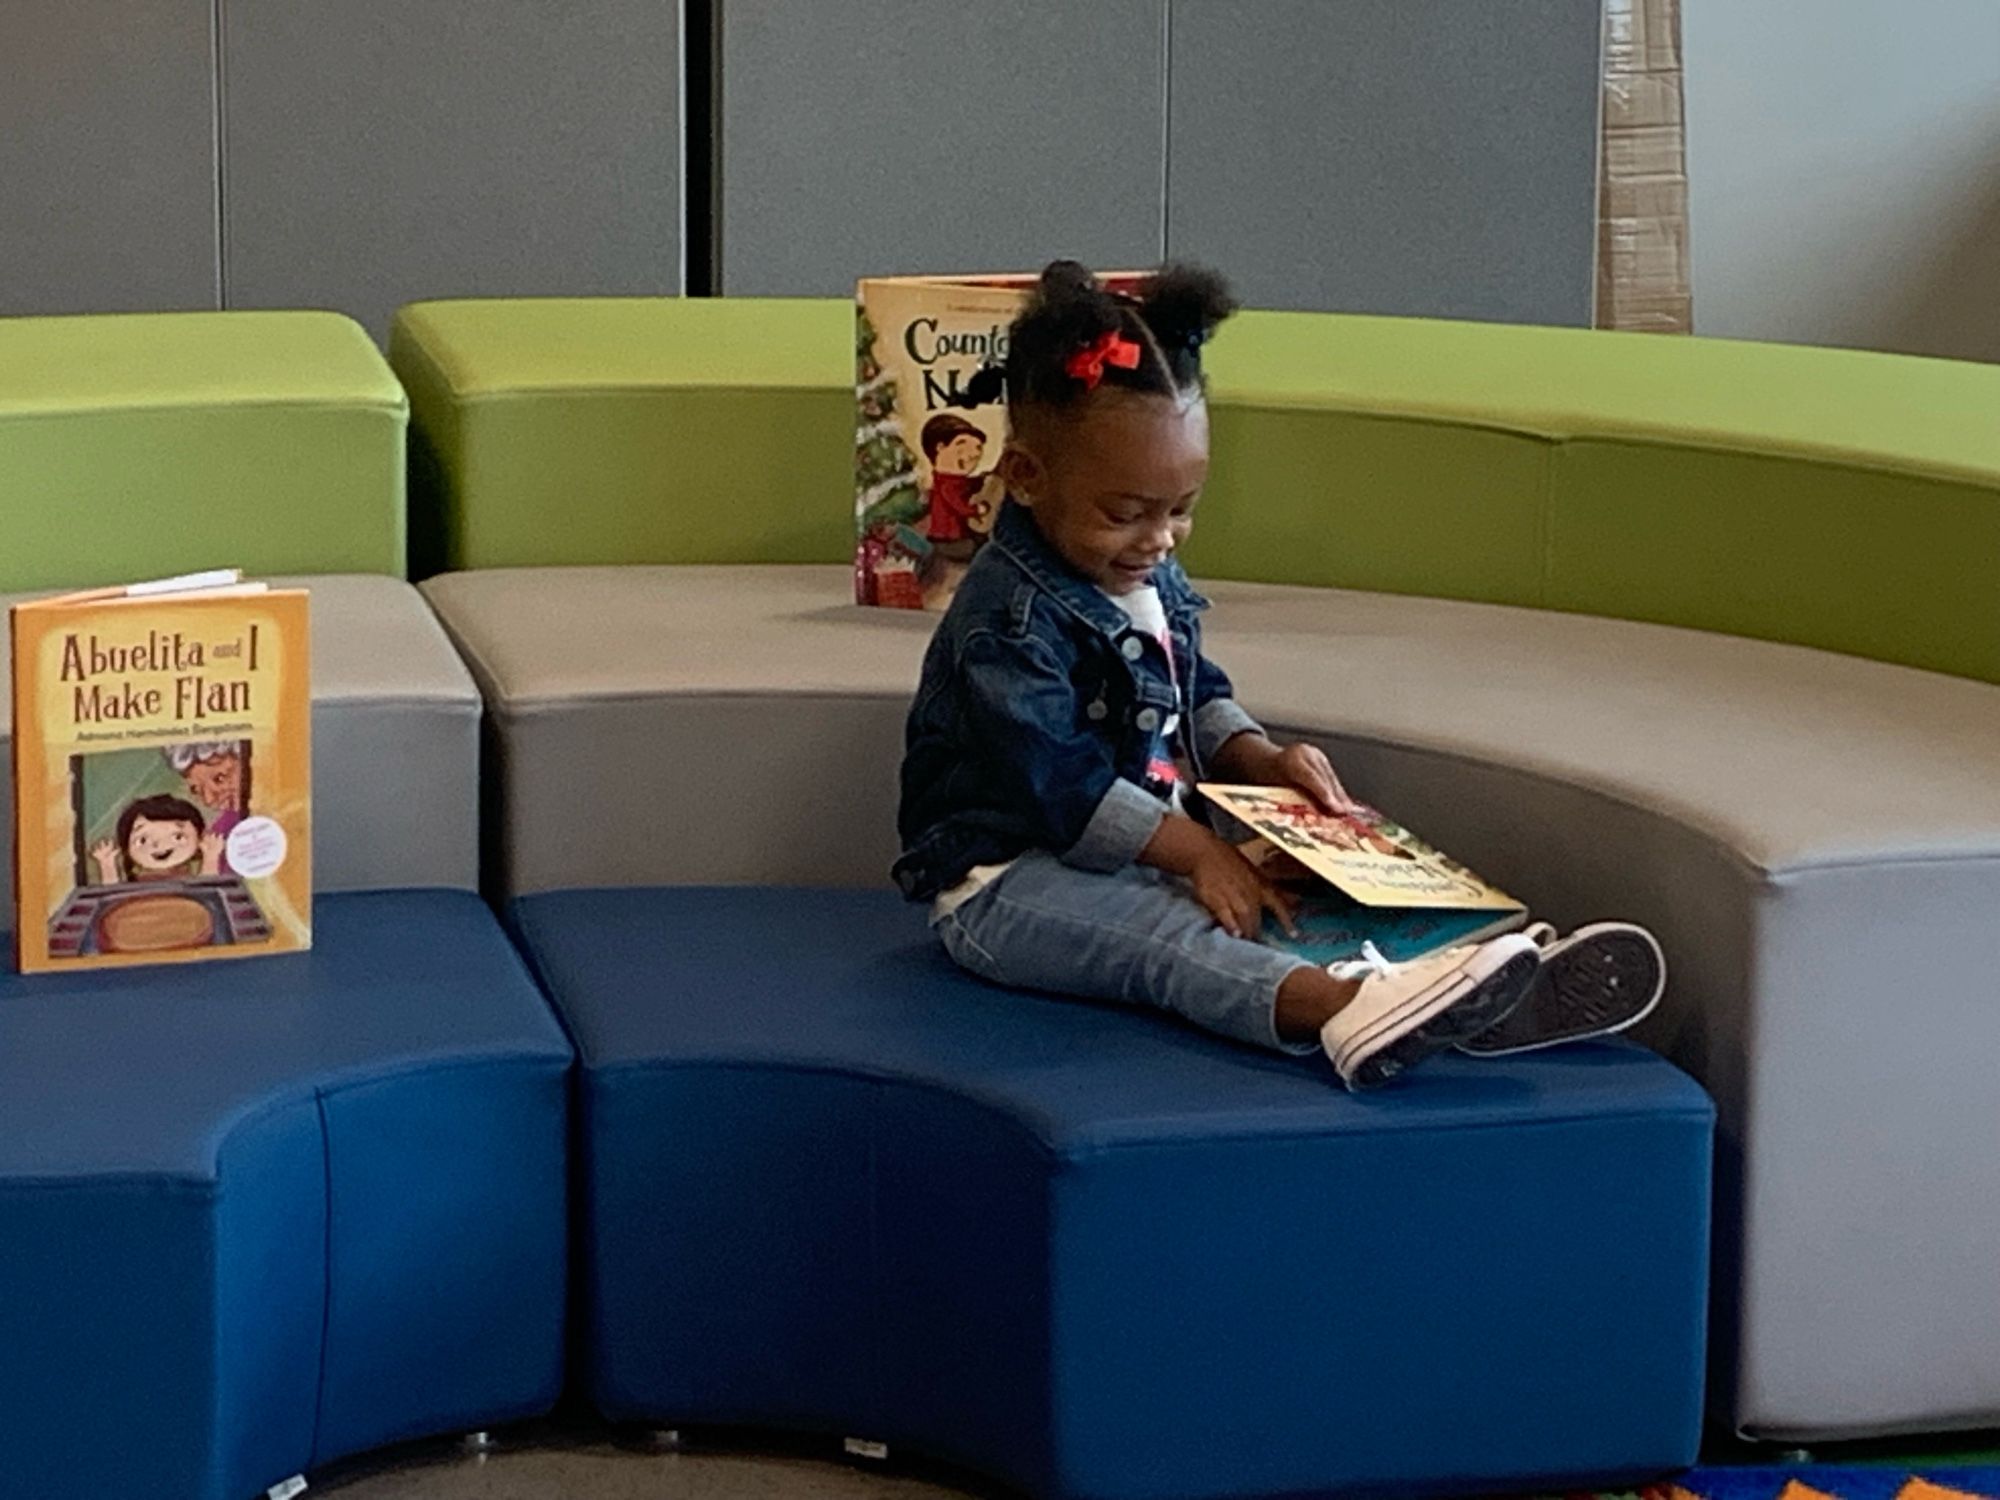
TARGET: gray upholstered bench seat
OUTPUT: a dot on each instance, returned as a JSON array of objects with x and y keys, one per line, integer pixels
[{"x": 1816, "y": 838}]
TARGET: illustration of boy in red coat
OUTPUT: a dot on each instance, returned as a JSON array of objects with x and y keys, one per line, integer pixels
[{"x": 961, "y": 501}]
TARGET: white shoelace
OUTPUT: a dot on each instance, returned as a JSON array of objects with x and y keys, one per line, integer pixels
[{"x": 1371, "y": 965}]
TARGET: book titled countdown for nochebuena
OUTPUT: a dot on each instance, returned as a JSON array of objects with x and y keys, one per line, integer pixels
[
  {"x": 926, "y": 486},
  {"x": 162, "y": 774}
]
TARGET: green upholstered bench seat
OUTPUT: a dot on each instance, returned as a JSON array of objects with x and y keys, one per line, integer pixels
[
  {"x": 1825, "y": 497},
  {"x": 140, "y": 445},
  {"x": 1822, "y": 497},
  {"x": 603, "y": 430}
]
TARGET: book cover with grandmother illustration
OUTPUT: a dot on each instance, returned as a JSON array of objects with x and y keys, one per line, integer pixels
[{"x": 162, "y": 774}]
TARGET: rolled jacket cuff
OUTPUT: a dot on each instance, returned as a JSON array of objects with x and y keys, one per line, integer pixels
[
  {"x": 1124, "y": 823},
  {"x": 1216, "y": 723}
]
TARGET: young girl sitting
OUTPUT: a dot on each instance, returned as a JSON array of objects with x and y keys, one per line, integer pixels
[{"x": 1066, "y": 708}]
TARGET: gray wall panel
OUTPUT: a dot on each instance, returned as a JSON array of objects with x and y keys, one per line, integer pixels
[
  {"x": 381, "y": 151},
  {"x": 107, "y": 156},
  {"x": 915, "y": 135},
  {"x": 1425, "y": 157}
]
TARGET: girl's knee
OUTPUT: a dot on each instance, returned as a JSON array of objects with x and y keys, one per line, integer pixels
[{"x": 967, "y": 953}]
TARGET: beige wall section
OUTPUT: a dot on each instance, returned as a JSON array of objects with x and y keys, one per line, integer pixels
[
  {"x": 1844, "y": 165},
  {"x": 1642, "y": 199}
]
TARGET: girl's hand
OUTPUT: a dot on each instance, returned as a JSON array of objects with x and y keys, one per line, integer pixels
[
  {"x": 1236, "y": 894},
  {"x": 213, "y": 847},
  {"x": 1307, "y": 768},
  {"x": 1253, "y": 758}
]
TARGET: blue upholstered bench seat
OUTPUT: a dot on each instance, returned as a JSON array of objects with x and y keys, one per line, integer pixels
[
  {"x": 256, "y": 1216},
  {"x": 828, "y": 1183}
]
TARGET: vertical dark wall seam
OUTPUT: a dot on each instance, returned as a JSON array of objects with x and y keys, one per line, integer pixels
[
  {"x": 219, "y": 93},
  {"x": 1166, "y": 128},
  {"x": 701, "y": 147},
  {"x": 680, "y": 72}
]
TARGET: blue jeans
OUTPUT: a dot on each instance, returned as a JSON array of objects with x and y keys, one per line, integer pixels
[{"x": 1136, "y": 935}]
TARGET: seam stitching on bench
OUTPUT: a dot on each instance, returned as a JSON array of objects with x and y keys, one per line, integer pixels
[
  {"x": 175, "y": 1180},
  {"x": 505, "y": 715},
  {"x": 325, "y": 1266},
  {"x": 1028, "y": 1124}
]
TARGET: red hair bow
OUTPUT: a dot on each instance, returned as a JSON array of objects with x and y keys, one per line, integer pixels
[{"x": 1112, "y": 348}]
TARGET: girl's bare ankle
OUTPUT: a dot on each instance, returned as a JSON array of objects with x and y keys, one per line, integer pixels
[{"x": 1308, "y": 998}]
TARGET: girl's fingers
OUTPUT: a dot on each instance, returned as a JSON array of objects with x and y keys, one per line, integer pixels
[
  {"x": 1314, "y": 773},
  {"x": 1249, "y": 916},
  {"x": 1340, "y": 800},
  {"x": 1280, "y": 904},
  {"x": 1338, "y": 791},
  {"x": 1284, "y": 909},
  {"x": 1225, "y": 914}
]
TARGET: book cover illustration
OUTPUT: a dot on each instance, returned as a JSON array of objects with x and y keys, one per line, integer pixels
[
  {"x": 162, "y": 765},
  {"x": 1334, "y": 928},
  {"x": 1372, "y": 860},
  {"x": 925, "y": 490}
]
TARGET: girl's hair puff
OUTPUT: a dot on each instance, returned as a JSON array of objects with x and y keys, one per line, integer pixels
[{"x": 1172, "y": 317}]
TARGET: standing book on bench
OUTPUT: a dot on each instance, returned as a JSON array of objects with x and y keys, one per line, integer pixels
[
  {"x": 162, "y": 774},
  {"x": 925, "y": 490},
  {"x": 1362, "y": 879}
]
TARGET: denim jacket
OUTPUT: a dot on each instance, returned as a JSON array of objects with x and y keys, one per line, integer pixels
[{"x": 1039, "y": 711}]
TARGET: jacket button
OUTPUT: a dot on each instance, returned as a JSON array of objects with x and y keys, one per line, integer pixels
[
  {"x": 1096, "y": 710},
  {"x": 1133, "y": 648},
  {"x": 1149, "y": 719}
]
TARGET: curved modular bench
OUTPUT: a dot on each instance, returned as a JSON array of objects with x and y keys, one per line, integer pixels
[
  {"x": 1825, "y": 497},
  {"x": 255, "y": 1216},
  {"x": 1815, "y": 837},
  {"x": 258, "y": 1216},
  {"x": 827, "y": 1182}
]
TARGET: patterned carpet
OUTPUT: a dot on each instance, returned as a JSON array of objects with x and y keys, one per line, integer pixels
[{"x": 1821, "y": 1482}]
